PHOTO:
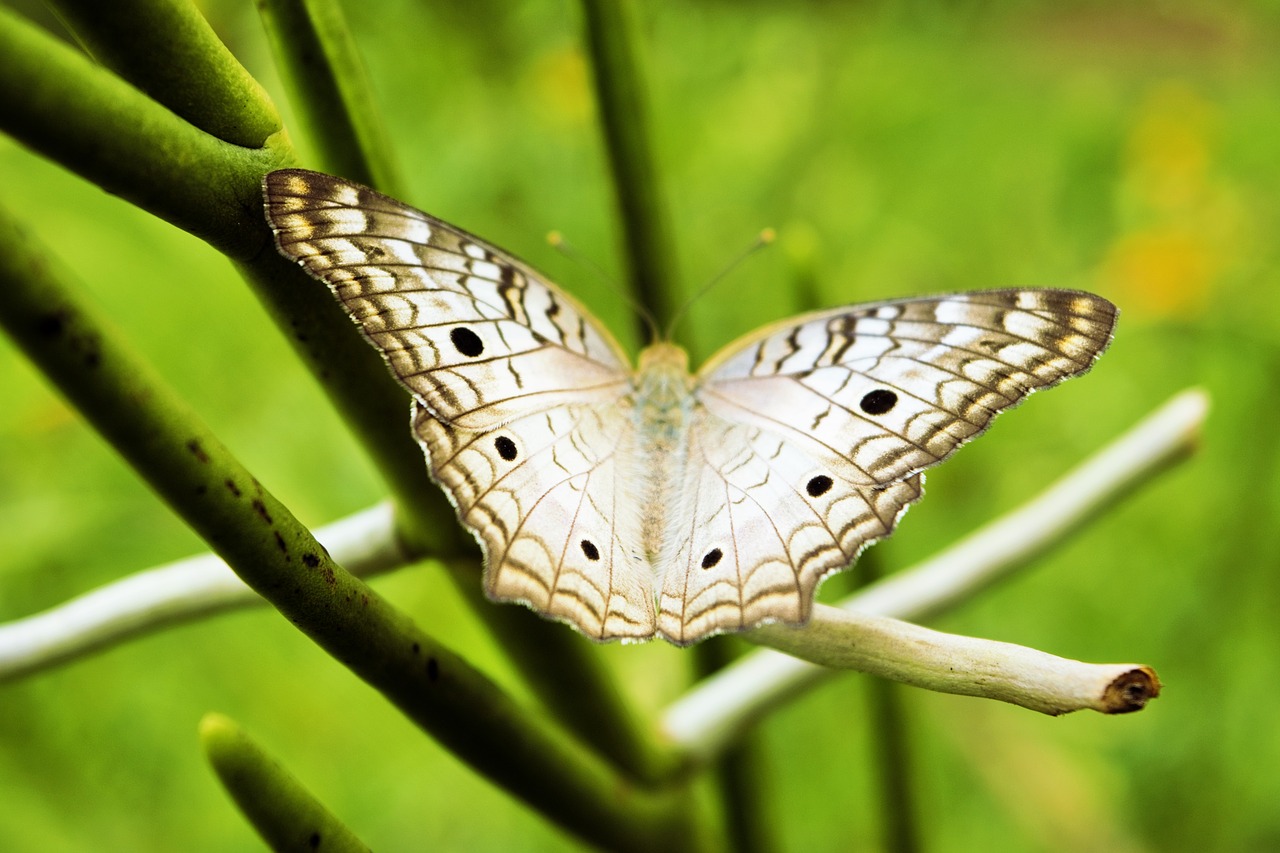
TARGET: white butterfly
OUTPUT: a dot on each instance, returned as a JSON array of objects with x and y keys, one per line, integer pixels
[{"x": 634, "y": 504}]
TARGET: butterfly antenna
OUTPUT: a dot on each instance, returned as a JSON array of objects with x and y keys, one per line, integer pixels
[
  {"x": 564, "y": 247},
  {"x": 764, "y": 238}
]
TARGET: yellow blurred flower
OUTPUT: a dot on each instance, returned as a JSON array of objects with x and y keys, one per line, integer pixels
[{"x": 1174, "y": 219}]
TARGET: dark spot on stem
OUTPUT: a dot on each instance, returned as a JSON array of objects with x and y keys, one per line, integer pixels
[
  {"x": 261, "y": 509},
  {"x": 90, "y": 347},
  {"x": 433, "y": 669},
  {"x": 232, "y": 487},
  {"x": 197, "y": 451},
  {"x": 310, "y": 560},
  {"x": 51, "y": 325}
]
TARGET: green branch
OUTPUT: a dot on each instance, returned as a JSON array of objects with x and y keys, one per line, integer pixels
[
  {"x": 319, "y": 60},
  {"x": 82, "y": 116},
  {"x": 286, "y": 815},
  {"x": 329, "y": 90},
  {"x": 168, "y": 50},
  {"x": 572, "y": 682},
  {"x": 624, "y": 119},
  {"x": 62, "y": 105}
]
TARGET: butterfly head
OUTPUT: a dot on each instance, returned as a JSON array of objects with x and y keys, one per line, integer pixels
[{"x": 664, "y": 358}]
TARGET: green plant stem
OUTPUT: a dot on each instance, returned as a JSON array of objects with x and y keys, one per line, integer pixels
[
  {"x": 273, "y": 553},
  {"x": 739, "y": 774},
  {"x": 285, "y": 814},
  {"x": 329, "y": 90},
  {"x": 62, "y": 105},
  {"x": 373, "y": 406},
  {"x": 571, "y": 681},
  {"x": 168, "y": 50},
  {"x": 891, "y": 754},
  {"x": 620, "y": 99}
]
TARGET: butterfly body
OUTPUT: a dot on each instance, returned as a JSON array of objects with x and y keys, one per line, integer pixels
[
  {"x": 662, "y": 411},
  {"x": 656, "y": 502}
]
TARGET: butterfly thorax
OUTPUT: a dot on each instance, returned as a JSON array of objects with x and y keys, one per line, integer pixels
[
  {"x": 662, "y": 388},
  {"x": 662, "y": 413}
]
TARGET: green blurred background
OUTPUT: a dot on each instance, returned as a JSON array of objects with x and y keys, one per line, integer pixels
[{"x": 899, "y": 148}]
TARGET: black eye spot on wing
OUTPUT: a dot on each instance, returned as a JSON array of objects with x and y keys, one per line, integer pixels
[
  {"x": 589, "y": 548},
  {"x": 506, "y": 447},
  {"x": 712, "y": 558},
  {"x": 879, "y": 401},
  {"x": 466, "y": 341},
  {"x": 819, "y": 486}
]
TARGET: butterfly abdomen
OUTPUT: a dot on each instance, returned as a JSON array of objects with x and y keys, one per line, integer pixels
[{"x": 663, "y": 408}]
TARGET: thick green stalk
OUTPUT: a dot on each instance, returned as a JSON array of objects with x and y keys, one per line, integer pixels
[
  {"x": 285, "y": 814},
  {"x": 573, "y": 683},
  {"x": 624, "y": 118},
  {"x": 738, "y": 771},
  {"x": 356, "y": 381},
  {"x": 65, "y": 107},
  {"x": 92, "y": 122},
  {"x": 168, "y": 50},
  {"x": 272, "y": 552},
  {"x": 330, "y": 92},
  {"x": 891, "y": 754}
]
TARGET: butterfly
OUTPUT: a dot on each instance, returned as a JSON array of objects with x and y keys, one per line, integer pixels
[{"x": 655, "y": 502}]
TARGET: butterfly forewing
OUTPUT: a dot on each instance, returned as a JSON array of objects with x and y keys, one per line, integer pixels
[
  {"x": 881, "y": 391},
  {"x": 813, "y": 432},
  {"x": 473, "y": 333}
]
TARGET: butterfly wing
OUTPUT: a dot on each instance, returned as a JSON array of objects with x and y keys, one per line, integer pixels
[
  {"x": 752, "y": 542},
  {"x": 474, "y": 334},
  {"x": 833, "y": 417},
  {"x": 519, "y": 395},
  {"x": 545, "y": 498},
  {"x": 881, "y": 391}
]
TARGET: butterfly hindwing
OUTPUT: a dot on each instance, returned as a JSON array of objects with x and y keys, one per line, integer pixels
[
  {"x": 544, "y": 495},
  {"x": 761, "y": 525}
]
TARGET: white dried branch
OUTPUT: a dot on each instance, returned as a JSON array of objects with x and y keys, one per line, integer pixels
[
  {"x": 712, "y": 713},
  {"x": 947, "y": 663},
  {"x": 364, "y": 543}
]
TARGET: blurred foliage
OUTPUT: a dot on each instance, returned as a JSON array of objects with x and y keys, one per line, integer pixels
[{"x": 899, "y": 148}]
